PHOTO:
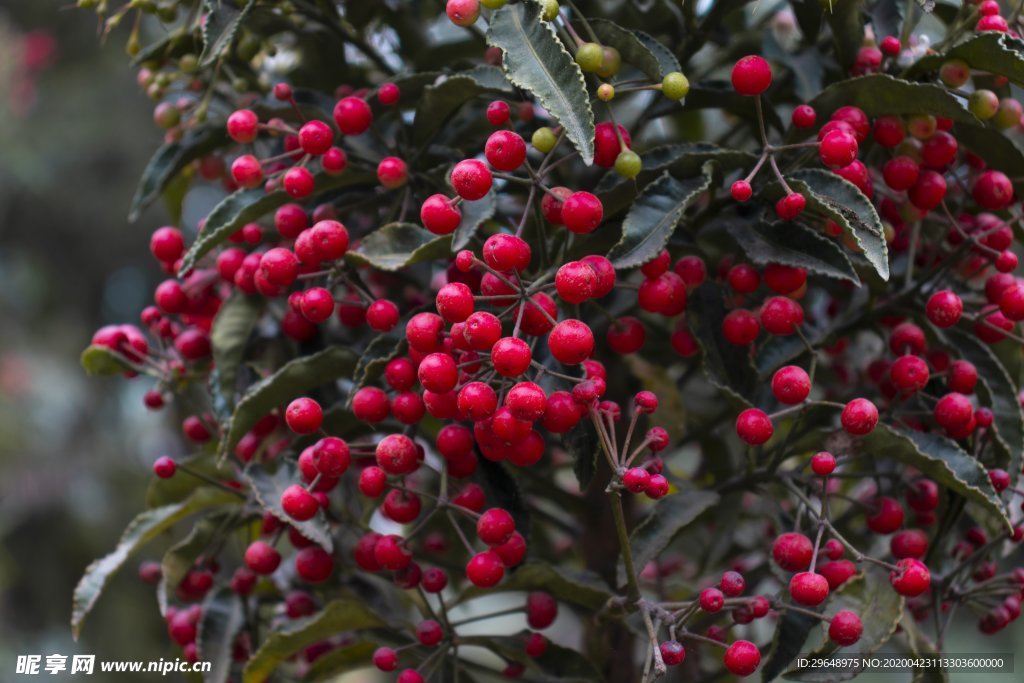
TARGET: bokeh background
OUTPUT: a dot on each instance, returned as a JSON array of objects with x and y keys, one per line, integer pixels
[{"x": 75, "y": 453}]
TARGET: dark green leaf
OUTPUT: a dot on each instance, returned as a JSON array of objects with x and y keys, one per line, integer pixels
[
  {"x": 920, "y": 646},
  {"x": 220, "y": 27},
  {"x": 887, "y": 17},
  {"x": 581, "y": 444},
  {"x": 144, "y": 528},
  {"x": 221, "y": 621},
  {"x": 847, "y": 24},
  {"x": 291, "y": 381},
  {"x": 99, "y": 360},
  {"x": 397, "y": 245},
  {"x": 535, "y": 60},
  {"x": 882, "y": 94},
  {"x": 410, "y": 89},
  {"x": 629, "y": 45},
  {"x": 655, "y": 377},
  {"x": 181, "y": 557},
  {"x": 440, "y": 102},
  {"x": 793, "y": 244},
  {"x": 997, "y": 53},
  {"x": 667, "y": 62},
  {"x": 654, "y": 216},
  {"x": 339, "y": 661},
  {"x": 268, "y": 489},
  {"x": 841, "y": 201},
  {"x": 229, "y": 336},
  {"x": 997, "y": 391},
  {"x": 473, "y": 216},
  {"x": 721, "y": 95},
  {"x": 788, "y": 642},
  {"x": 245, "y": 206},
  {"x": 174, "y": 194},
  {"x": 176, "y": 489},
  {"x": 1000, "y": 151},
  {"x": 557, "y": 665},
  {"x": 170, "y": 159},
  {"x": 502, "y": 489},
  {"x": 381, "y": 350},
  {"x": 667, "y": 518},
  {"x": 942, "y": 460},
  {"x": 726, "y": 365},
  {"x": 584, "y": 589},
  {"x": 336, "y": 617}
]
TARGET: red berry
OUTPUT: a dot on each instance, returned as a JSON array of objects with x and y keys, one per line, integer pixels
[
  {"x": 808, "y": 589},
  {"x": 164, "y": 467},
  {"x": 439, "y": 216},
  {"x": 571, "y": 342},
  {"x": 304, "y": 416},
  {"x": 505, "y": 150},
  {"x": 823, "y": 463},
  {"x": 790, "y": 206},
  {"x": 582, "y": 212},
  {"x": 804, "y": 116},
  {"x": 385, "y": 659},
  {"x": 511, "y": 356},
  {"x": 243, "y": 126},
  {"x": 911, "y": 578},
  {"x": 791, "y": 385},
  {"x": 315, "y": 138},
  {"x": 886, "y": 516},
  {"x": 859, "y": 417},
  {"x": 314, "y": 564},
  {"x": 792, "y": 551},
  {"x": 838, "y": 148},
  {"x": 397, "y": 454},
  {"x": 485, "y": 569},
  {"x": 754, "y": 427},
  {"x": 740, "y": 327},
  {"x": 392, "y": 172},
  {"x": 298, "y": 503},
  {"x": 504, "y": 252},
  {"x": 262, "y": 558},
  {"x": 742, "y": 658},
  {"x": 845, "y": 628},
  {"x": 751, "y": 75},
  {"x": 575, "y": 282},
  {"x": 781, "y": 315},
  {"x": 909, "y": 374},
  {"x": 607, "y": 146},
  {"x": 993, "y": 191},
  {"x": 944, "y": 308},
  {"x": 541, "y": 610},
  {"x": 741, "y": 190},
  {"x": 672, "y": 652},
  {"x": 498, "y": 113},
  {"x": 495, "y": 526},
  {"x": 471, "y": 179},
  {"x": 353, "y": 116}
]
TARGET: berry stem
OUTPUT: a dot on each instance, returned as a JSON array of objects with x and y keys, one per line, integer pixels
[
  {"x": 652, "y": 633},
  {"x": 210, "y": 480}
]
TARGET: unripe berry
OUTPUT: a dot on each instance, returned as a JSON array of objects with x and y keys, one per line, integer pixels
[{"x": 675, "y": 86}]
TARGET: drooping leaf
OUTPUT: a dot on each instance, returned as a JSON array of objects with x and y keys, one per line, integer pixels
[
  {"x": 144, "y": 528},
  {"x": 882, "y": 94},
  {"x": 381, "y": 350},
  {"x": 289, "y": 382},
  {"x": 246, "y": 206},
  {"x": 339, "y": 661},
  {"x": 841, "y": 201},
  {"x": 581, "y": 443},
  {"x": 557, "y": 665},
  {"x": 229, "y": 336},
  {"x": 397, "y": 245},
  {"x": 221, "y": 621},
  {"x": 220, "y": 28},
  {"x": 171, "y": 158},
  {"x": 100, "y": 360},
  {"x": 654, "y": 216},
  {"x": 473, "y": 216},
  {"x": 336, "y": 617},
  {"x": 268, "y": 489},
  {"x": 793, "y": 244},
  {"x": 536, "y": 61},
  {"x": 633, "y": 50},
  {"x": 867, "y": 594},
  {"x": 726, "y": 365},
  {"x": 997, "y": 391},
  {"x": 942, "y": 460},
  {"x": 791, "y": 634},
  {"x": 583, "y": 589},
  {"x": 667, "y": 518},
  {"x": 181, "y": 557},
  {"x": 439, "y": 102}
]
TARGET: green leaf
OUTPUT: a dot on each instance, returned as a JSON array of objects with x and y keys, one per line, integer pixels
[
  {"x": 667, "y": 62},
  {"x": 144, "y": 528},
  {"x": 337, "y": 616},
  {"x": 558, "y": 664},
  {"x": 221, "y": 621},
  {"x": 997, "y": 53},
  {"x": 726, "y": 365},
  {"x": 882, "y": 94},
  {"x": 171, "y": 158},
  {"x": 793, "y": 244},
  {"x": 721, "y": 95},
  {"x": 439, "y": 102},
  {"x": 870, "y": 596},
  {"x": 581, "y": 443},
  {"x": 292, "y": 380},
  {"x": 841, "y": 201},
  {"x": 790, "y": 636},
  {"x": 942, "y": 460},
  {"x": 220, "y": 27},
  {"x": 654, "y": 216},
  {"x": 381, "y": 350},
  {"x": 246, "y": 206},
  {"x": 397, "y": 245},
  {"x": 667, "y": 518},
  {"x": 473, "y": 216},
  {"x": 339, "y": 661},
  {"x": 410, "y": 89},
  {"x": 229, "y": 337},
  {"x": 921, "y": 646},
  {"x": 181, "y": 557},
  {"x": 847, "y": 24},
  {"x": 1000, "y": 151},
  {"x": 633, "y": 50},
  {"x": 100, "y": 360},
  {"x": 176, "y": 489},
  {"x": 583, "y": 589},
  {"x": 655, "y": 377},
  {"x": 997, "y": 391},
  {"x": 268, "y": 489},
  {"x": 535, "y": 60}
]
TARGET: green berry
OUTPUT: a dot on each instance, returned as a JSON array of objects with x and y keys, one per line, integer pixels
[
  {"x": 549, "y": 9},
  {"x": 1008, "y": 115},
  {"x": 189, "y": 64},
  {"x": 611, "y": 62},
  {"x": 606, "y": 92},
  {"x": 493, "y": 4},
  {"x": 589, "y": 56},
  {"x": 628, "y": 164},
  {"x": 983, "y": 103},
  {"x": 543, "y": 140},
  {"x": 955, "y": 73},
  {"x": 675, "y": 86}
]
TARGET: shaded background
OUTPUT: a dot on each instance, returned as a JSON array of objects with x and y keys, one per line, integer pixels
[{"x": 75, "y": 133}]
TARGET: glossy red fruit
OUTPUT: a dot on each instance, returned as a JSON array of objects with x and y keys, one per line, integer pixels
[
  {"x": 792, "y": 551},
  {"x": 808, "y": 589},
  {"x": 754, "y": 427},
  {"x": 791, "y": 385},
  {"x": 911, "y": 578},
  {"x": 471, "y": 179},
  {"x": 751, "y": 75},
  {"x": 505, "y": 150},
  {"x": 485, "y": 569},
  {"x": 845, "y": 628},
  {"x": 742, "y": 658},
  {"x": 571, "y": 342},
  {"x": 859, "y": 417},
  {"x": 582, "y": 212},
  {"x": 353, "y": 116}
]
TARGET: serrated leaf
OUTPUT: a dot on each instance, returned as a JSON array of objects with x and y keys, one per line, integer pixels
[
  {"x": 942, "y": 460},
  {"x": 246, "y": 206},
  {"x": 268, "y": 489},
  {"x": 871, "y": 596},
  {"x": 339, "y": 661},
  {"x": 535, "y": 60},
  {"x": 229, "y": 337},
  {"x": 473, "y": 216},
  {"x": 793, "y": 244},
  {"x": 100, "y": 360},
  {"x": 171, "y": 158},
  {"x": 667, "y": 518},
  {"x": 791, "y": 634},
  {"x": 667, "y": 61},
  {"x": 581, "y": 443},
  {"x": 633, "y": 50},
  {"x": 397, "y": 245},
  {"x": 997, "y": 53},
  {"x": 841, "y": 201},
  {"x": 144, "y": 528},
  {"x": 221, "y": 621},
  {"x": 997, "y": 391},
  {"x": 291, "y": 381},
  {"x": 557, "y": 665},
  {"x": 220, "y": 26},
  {"x": 726, "y": 365},
  {"x": 654, "y": 216},
  {"x": 337, "y": 616},
  {"x": 882, "y": 94},
  {"x": 379, "y": 352},
  {"x": 583, "y": 589},
  {"x": 439, "y": 102}
]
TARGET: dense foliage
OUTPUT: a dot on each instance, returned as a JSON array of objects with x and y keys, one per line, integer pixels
[{"x": 694, "y": 325}]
